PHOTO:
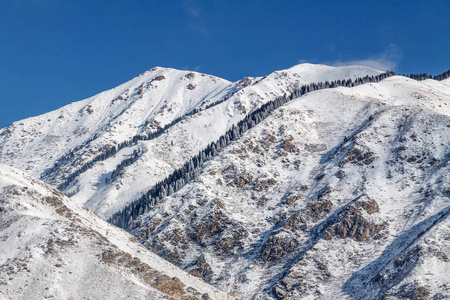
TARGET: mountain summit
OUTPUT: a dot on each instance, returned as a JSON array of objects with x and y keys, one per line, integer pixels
[{"x": 313, "y": 182}]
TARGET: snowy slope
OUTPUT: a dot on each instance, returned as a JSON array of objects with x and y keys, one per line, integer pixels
[
  {"x": 113, "y": 121},
  {"x": 340, "y": 193},
  {"x": 338, "y": 190},
  {"x": 152, "y": 99},
  {"x": 51, "y": 248}
]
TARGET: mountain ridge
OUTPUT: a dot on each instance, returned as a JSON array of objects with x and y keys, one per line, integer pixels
[
  {"x": 296, "y": 197},
  {"x": 82, "y": 255}
]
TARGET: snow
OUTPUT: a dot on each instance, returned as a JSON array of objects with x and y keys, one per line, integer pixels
[
  {"x": 115, "y": 121},
  {"x": 401, "y": 123},
  {"x": 325, "y": 125},
  {"x": 46, "y": 254}
]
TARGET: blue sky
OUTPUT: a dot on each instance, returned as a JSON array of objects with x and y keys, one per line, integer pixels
[{"x": 56, "y": 52}]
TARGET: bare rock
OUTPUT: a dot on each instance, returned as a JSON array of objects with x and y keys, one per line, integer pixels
[
  {"x": 170, "y": 286},
  {"x": 288, "y": 146},
  {"x": 413, "y": 291},
  {"x": 159, "y": 78},
  {"x": 264, "y": 184},
  {"x": 358, "y": 156},
  {"x": 201, "y": 268},
  {"x": 276, "y": 247},
  {"x": 244, "y": 82},
  {"x": 292, "y": 199},
  {"x": 242, "y": 179},
  {"x": 352, "y": 224}
]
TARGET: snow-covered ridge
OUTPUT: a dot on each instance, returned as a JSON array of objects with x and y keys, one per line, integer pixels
[
  {"x": 337, "y": 190},
  {"x": 52, "y": 248},
  {"x": 330, "y": 190},
  {"x": 38, "y": 148},
  {"x": 181, "y": 176},
  {"x": 153, "y": 99}
]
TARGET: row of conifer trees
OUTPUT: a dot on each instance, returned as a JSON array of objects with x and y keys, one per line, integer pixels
[
  {"x": 111, "y": 151},
  {"x": 107, "y": 153},
  {"x": 174, "y": 182}
]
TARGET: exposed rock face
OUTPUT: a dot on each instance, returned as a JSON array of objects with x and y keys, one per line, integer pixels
[
  {"x": 276, "y": 247},
  {"x": 313, "y": 211},
  {"x": 242, "y": 180},
  {"x": 160, "y": 77},
  {"x": 289, "y": 146},
  {"x": 190, "y": 75},
  {"x": 170, "y": 286},
  {"x": 264, "y": 184},
  {"x": 191, "y": 87},
  {"x": 413, "y": 291},
  {"x": 358, "y": 155},
  {"x": 201, "y": 268},
  {"x": 218, "y": 230},
  {"x": 352, "y": 224},
  {"x": 244, "y": 82},
  {"x": 6, "y": 131}
]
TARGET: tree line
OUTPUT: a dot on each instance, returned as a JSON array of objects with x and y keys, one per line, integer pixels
[
  {"x": 109, "y": 152},
  {"x": 114, "y": 149},
  {"x": 174, "y": 182}
]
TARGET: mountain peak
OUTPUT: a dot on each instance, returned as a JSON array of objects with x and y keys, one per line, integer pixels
[{"x": 256, "y": 186}]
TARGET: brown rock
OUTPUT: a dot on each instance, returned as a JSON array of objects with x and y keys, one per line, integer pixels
[
  {"x": 276, "y": 247},
  {"x": 288, "y": 146},
  {"x": 242, "y": 180},
  {"x": 315, "y": 210},
  {"x": 202, "y": 268},
  {"x": 371, "y": 206},
  {"x": 292, "y": 199},
  {"x": 190, "y": 75},
  {"x": 244, "y": 82},
  {"x": 264, "y": 184},
  {"x": 351, "y": 223},
  {"x": 170, "y": 286}
]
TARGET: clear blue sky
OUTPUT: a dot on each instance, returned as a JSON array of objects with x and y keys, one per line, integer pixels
[{"x": 56, "y": 52}]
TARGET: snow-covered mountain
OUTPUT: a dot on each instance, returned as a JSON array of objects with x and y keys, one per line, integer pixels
[
  {"x": 51, "y": 248},
  {"x": 341, "y": 188},
  {"x": 56, "y": 145},
  {"x": 337, "y": 190}
]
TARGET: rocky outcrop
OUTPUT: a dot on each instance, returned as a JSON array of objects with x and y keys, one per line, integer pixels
[
  {"x": 190, "y": 75},
  {"x": 245, "y": 82},
  {"x": 313, "y": 211},
  {"x": 351, "y": 223},
  {"x": 412, "y": 291},
  {"x": 357, "y": 155},
  {"x": 289, "y": 146},
  {"x": 242, "y": 180},
  {"x": 264, "y": 184},
  {"x": 170, "y": 286},
  {"x": 201, "y": 268},
  {"x": 277, "y": 247}
]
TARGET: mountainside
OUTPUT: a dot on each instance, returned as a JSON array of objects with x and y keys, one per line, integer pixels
[
  {"x": 313, "y": 182},
  {"x": 154, "y": 98},
  {"x": 53, "y": 249},
  {"x": 67, "y": 145},
  {"x": 335, "y": 191}
]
